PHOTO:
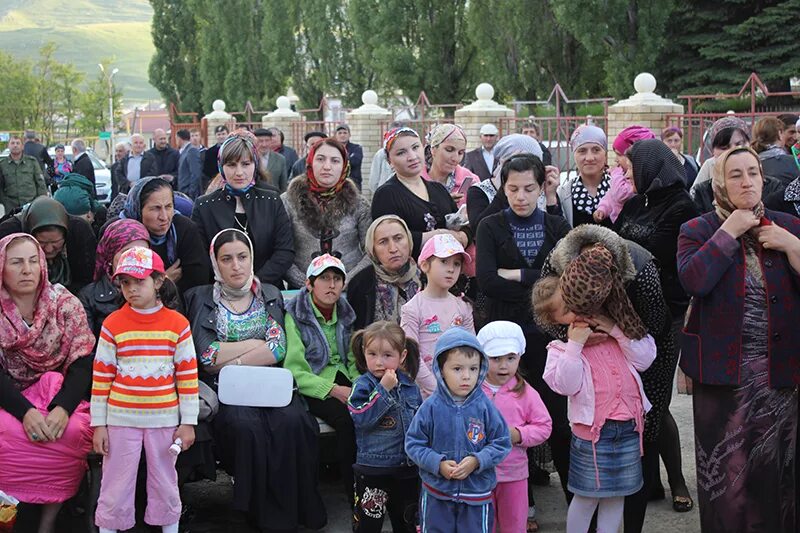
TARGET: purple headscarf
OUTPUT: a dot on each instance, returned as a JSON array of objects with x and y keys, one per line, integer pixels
[
  {"x": 630, "y": 135},
  {"x": 586, "y": 134}
]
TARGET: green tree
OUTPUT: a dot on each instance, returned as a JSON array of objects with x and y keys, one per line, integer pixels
[
  {"x": 625, "y": 34},
  {"x": 17, "y": 85},
  {"x": 92, "y": 103}
]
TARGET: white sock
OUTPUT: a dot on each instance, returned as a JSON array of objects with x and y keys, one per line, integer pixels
[
  {"x": 579, "y": 514},
  {"x": 172, "y": 528}
]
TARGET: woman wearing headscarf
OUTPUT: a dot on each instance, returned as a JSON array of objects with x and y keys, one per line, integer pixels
[
  {"x": 445, "y": 147},
  {"x": 172, "y": 236},
  {"x": 68, "y": 241},
  {"x": 578, "y": 197},
  {"x": 653, "y": 218},
  {"x": 423, "y": 204},
  {"x": 271, "y": 452},
  {"x": 393, "y": 277},
  {"x": 46, "y": 372},
  {"x": 740, "y": 263},
  {"x": 642, "y": 284},
  {"x": 244, "y": 205},
  {"x": 327, "y": 212},
  {"x": 101, "y": 297}
]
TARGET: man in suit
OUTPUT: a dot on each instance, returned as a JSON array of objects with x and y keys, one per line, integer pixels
[
  {"x": 38, "y": 151},
  {"x": 81, "y": 163},
  {"x": 354, "y": 153},
  {"x": 480, "y": 161},
  {"x": 210, "y": 165},
  {"x": 136, "y": 165},
  {"x": 190, "y": 166},
  {"x": 289, "y": 153},
  {"x": 272, "y": 164}
]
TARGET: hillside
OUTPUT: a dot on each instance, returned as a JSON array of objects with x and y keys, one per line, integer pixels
[{"x": 85, "y": 31}]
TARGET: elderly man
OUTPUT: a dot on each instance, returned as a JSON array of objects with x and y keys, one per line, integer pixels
[
  {"x": 190, "y": 166},
  {"x": 480, "y": 161},
  {"x": 121, "y": 150},
  {"x": 166, "y": 156},
  {"x": 272, "y": 162},
  {"x": 21, "y": 177},
  {"x": 137, "y": 164},
  {"x": 81, "y": 162},
  {"x": 354, "y": 153},
  {"x": 289, "y": 153}
]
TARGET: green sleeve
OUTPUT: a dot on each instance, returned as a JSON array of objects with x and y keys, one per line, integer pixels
[
  {"x": 41, "y": 187},
  {"x": 352, "y": 370},
  {"x": 308, "y": 383}
]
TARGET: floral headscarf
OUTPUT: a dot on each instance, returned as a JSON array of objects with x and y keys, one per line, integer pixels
[
  {"x": 117, "y": 235},
  {"x": 323, "y": 194},
  {"x": 439, "y": 134},
  {"x": 133, "y": 210},
  {"x": 250, "y": 141},
  {"x": 58, "y": 336},
  {"x": 221, "y": 289}
]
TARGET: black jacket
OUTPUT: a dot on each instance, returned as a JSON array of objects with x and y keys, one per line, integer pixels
[
  {"x": 149, "y": 168},
  {"x": 166, "y": 161},
  {"x": 39, "y": 151},
  {"x": 496, "y": 248},
  {"x": 782, "y": 168},
  {"x": 100, "y": 299},
  {"x": 476, "y": 164},
  {"x": 361, "y": 297},
  {"x": 355, "y": 153},
  {"x": 268, "y": 226},
  {"x": 210, "y": 166},
  {"x": 654, "y": 222},
  {"x": 83, "y": 165}
]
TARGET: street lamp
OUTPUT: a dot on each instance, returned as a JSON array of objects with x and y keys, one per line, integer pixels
[{"x": 110, "y": 106}]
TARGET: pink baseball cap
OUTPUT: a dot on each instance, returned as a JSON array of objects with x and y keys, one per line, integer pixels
[
  {"x": 443, "y": 245},
  {"x": 139, "y": 263}
]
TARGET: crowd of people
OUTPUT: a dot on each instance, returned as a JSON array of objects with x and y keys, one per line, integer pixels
[{"x": 478, "y": 309}]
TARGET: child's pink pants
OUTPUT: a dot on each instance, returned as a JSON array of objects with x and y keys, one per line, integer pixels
[
  {"x": 510, "y": 506},
  {"x": 115, "y": 508}
]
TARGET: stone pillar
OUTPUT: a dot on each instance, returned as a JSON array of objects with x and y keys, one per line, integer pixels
[
  {"x": 645, "y": 108},
  {"x": 366, "y": 128},
  {"x": 285, "y": 120},
  {"x": 482, "y": 111},
  {"x": 218, "y": 117}
]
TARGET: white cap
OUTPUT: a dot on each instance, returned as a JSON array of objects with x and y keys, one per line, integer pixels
[
  {"x": 489, "y": 129},
  {"x": 797, "y": 124},
  {"x": 501, "y": 338}
]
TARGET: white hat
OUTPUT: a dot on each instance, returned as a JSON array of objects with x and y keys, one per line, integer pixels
[
  {"x": 501, "y": 338},
  {"x": 489, "y": 129}
]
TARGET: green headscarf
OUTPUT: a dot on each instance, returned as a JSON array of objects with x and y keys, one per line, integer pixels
[{"x": 75, "y": 193}]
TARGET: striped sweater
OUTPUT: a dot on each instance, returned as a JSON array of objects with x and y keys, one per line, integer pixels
[{"x": 145, "y": 370}]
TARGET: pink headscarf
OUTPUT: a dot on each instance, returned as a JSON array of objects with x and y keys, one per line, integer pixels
[
  {"x": 59, "y": 335},
  {"x": 629, "y": 136}
]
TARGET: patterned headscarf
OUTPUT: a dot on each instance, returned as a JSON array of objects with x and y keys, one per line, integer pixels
[
  {"x": 221, "y": 289},
  {"x": 250, "y": 141},
  {"x": 439, "y": 134},
  {"x": 28, "y": 351},
  {"x": 117, "y": 235},
  {"x": 323, "y": 194},
  {"x": 511, "y": 145},
  {"x": 133, "y": 210},
  {"x": 588, "y": 134},
  {"x": 630, "y": 135},
  {"x": 391, "y": 136},
  {"x": 592, "y": 284},
  {"x": 729, "y": 122}
]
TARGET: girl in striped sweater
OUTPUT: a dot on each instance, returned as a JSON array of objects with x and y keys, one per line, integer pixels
[{"x": 144, "y": 394}]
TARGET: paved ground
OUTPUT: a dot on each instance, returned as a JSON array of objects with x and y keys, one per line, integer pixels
[{"x": 211, "y": 499}]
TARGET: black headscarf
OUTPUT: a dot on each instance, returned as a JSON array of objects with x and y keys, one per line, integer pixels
[{"x": 655, "y": 167}]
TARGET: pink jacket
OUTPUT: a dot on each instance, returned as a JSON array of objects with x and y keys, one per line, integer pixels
[
  {"x": 568, "y": 372},
  {"x": 528, "y": 414},
  {"x": 619, "y": 193}
]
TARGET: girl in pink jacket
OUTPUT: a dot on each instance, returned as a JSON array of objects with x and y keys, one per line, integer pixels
[
  {"x": 606, "y": 399},
  {"x": 528, "y": 421}
]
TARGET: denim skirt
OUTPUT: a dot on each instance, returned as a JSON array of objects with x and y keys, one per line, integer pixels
[{"x": 618, "y": 468}]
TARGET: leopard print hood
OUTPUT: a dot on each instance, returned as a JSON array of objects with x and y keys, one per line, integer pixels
[
  {"x": 576, "y": 240},
  {"x": 313, "y": 216}
]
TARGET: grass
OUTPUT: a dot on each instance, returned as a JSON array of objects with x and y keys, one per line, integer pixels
[{"x": 90, "y": 30}]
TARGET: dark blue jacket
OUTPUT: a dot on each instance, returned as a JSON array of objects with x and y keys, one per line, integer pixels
[
  {"x": 444, "y": 430},
  {"x": 381, "y": 419},
  {"x": 711, "y": 267}
]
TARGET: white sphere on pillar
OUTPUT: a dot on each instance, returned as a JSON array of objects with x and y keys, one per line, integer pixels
[
  {"x": 218, "y": 105},
  {"x": 369, "y": 97},
  {"x": 283, "y": 103},
  {"x": 645, "y": 83},
  {"x": 484, "y": 91}
]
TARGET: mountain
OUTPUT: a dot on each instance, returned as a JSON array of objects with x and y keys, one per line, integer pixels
[{"x": 85, "y": 31}]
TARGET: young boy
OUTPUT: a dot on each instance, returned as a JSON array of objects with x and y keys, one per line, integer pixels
[
  {"x": 319, "y": 322},
  {"x": 457, "y": 438}
]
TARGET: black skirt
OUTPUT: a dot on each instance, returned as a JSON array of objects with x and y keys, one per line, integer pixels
[{"x": 272, "y": 453}]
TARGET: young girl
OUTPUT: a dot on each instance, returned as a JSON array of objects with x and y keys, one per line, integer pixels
[
  {"x": 529, "y": 423},
  {"x": 382, "y": 404},
  {"x": 434, "y": 310},
  {"x": 606, "y": 400},
  {"x": 144, "y": 394}
]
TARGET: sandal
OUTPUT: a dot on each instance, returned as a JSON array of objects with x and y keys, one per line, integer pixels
[
  {"x": 682, "y": 504},
  {"x": 532, "y": 526}
]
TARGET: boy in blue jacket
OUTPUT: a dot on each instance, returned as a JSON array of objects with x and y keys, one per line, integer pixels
[{"x": 457, "y": 438}]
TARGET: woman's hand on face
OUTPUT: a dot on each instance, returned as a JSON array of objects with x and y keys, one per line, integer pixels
[
  {"x": 174, "y": 272},
  {"x": 57, "y": 421},
  {"x": 774, "y": 237},
  {"x": 36, "y": 427},
  {"x": 100, "y": 440},
  {"x": 740, "y": 222},
  {"x": 579, "y": 332},
  {"x": 510, "y": 274}
]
